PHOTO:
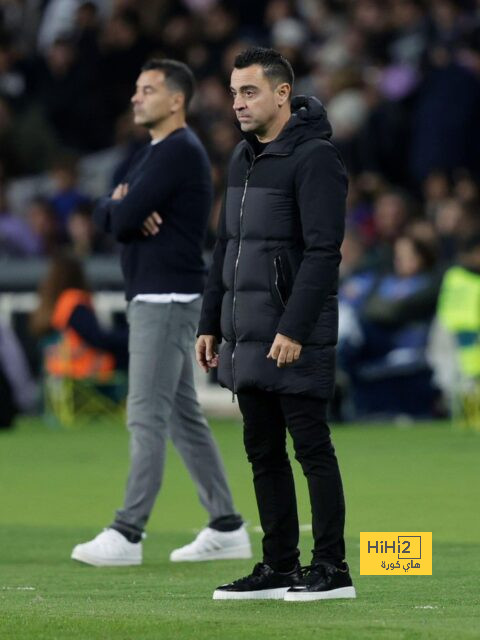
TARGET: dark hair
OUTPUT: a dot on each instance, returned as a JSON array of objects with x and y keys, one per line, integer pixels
[
  {"x": 469, "y": 244},
  {"x": 65, "y": 162},
  {"x": 277, "y": 68},
  {"x": 84, "y": 209},
  {"x": 426, "y": 248},
  {"x": 88, "y": 4},
  {"x": 64, "y": 272},
  {"x": 45, "y": 204},
  {"x": 178, "y": 77},
  {"x": 129, "y": 17}
]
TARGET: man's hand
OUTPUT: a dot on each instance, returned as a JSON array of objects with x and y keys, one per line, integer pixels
[
  {"x": 151, "y": 225},
  {"x": 120, "y": 191},
  {"x": 206, "y": 352},
  {"x": 284, "y": 350}
]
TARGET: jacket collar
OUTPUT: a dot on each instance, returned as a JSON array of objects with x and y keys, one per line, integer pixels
[{"x": 308, "y": 120}]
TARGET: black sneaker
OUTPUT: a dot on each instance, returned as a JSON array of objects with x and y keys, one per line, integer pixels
[
  {"x": 322, "y": 582},
  {"x": 262, "y": 584}
]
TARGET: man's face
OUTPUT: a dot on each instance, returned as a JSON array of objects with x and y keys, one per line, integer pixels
[
  {"x": 153, "y": 101},
  {"x": 255, "y": 100}
]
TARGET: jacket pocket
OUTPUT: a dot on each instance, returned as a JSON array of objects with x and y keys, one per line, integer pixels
[
  {"x": 280, "y": 278},
  {"x": 280, "y": 284}
]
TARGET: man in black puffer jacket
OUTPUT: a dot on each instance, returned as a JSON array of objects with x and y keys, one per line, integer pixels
[{"x": 271, "y": 296}]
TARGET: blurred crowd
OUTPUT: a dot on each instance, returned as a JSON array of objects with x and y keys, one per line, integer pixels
[{"x": 401, "y": 83}]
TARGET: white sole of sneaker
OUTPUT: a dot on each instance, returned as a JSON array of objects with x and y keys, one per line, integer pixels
[
  {"x": 86, "y": 558},
  {"x": 266, "y": 594},
  {"x": 299, "y": 596},
  {"x": 235, "y": 553}
]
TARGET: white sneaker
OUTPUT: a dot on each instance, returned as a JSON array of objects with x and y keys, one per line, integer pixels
[
  {"x": 211, "y": 544},
  {"x": 109, "y": 549}
]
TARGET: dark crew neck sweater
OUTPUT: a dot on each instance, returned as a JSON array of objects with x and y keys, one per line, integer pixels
[{"x": 173, "y": 178}]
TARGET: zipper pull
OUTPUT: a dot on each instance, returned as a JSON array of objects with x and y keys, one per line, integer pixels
[{"x": 233, "y": 397}]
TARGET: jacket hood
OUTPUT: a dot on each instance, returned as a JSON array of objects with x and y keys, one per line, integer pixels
[
  {"x": 308, "y": 120},
  {"x": 309, "y": 114}
]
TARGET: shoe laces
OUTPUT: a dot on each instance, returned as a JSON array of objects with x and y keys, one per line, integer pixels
[
  {"x": 258, "y": 573},
  {"x": 313, "y": 570},
  {"x": 320, "y": 569}
]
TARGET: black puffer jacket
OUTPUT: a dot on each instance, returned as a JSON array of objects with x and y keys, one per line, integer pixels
[{"x": 275, "y": 266}]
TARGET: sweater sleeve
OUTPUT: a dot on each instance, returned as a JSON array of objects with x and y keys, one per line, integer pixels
[
  {"x": 101, "y": 214},
  {"x": 321, "y": 186},
  {"x": 214, "y": 290},
  {"x": 149, "y": 193}
]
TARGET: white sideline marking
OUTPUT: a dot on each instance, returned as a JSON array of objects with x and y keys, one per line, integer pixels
[
  {"x": 17, "y": 588},
  {"x": 427, "y": 606}
]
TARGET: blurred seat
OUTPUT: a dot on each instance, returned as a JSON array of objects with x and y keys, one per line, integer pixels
[
  {"x": 71, "y": 403},
  {"x": 73, "y": 399},
  {"x": 466, "y": 406}
]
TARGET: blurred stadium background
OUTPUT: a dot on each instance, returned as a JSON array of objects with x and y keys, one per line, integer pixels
[{"x": 401, "y": 83}]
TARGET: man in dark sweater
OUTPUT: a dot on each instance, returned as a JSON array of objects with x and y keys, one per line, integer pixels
[
  {"x": 271, "y": 297},
  {"x": 160, "y": 214}
]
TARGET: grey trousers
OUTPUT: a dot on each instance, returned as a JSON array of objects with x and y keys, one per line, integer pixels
[{"x": 162, "y": 402}]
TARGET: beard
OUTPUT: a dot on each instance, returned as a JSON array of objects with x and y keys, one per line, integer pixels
[{"x": 142, "y": 120}]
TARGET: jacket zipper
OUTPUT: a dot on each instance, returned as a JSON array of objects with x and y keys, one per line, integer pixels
[
  {"x": 235, "y": 277},
  {"x": 234, "y": 304}
]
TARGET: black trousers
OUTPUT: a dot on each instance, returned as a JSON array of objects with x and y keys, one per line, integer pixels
[{"x": 267, "y": 416}]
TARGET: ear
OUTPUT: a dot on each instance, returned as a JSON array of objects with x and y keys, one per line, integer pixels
[
  {"x": 283, "y": 92},
  {"x": 177, "y": 102}
]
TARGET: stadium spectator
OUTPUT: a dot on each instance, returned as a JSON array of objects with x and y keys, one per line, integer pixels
[
  {"x": 385, "y": 330},
  {"x": 44, "y": 224},
  {"x": 17, "y": 238},
  {"x": 84, "y": 238},
  {"x": 57, "y": 18},
  {"x": 392, "y": 211},
  {"x": 27, "y": 143},
  {"x": 436, "y": 189},
  {"x": 66, "y": 195},
  {"x": 458, "y": 316},
  {"x": 85, "y": 32},
  {"x": 446, "y": 138},
  {"x": 410, "y": 39},
  {"x": 13, "y": 80},
  {"x": 76, "y": 346},
  {"x": 123, "y": 50},
  {"x": 60, "y": 86},
  {"x": 18, "y": 390},
  {"x": 465, "y": 187},
  {"x": 447, "y": 219}
]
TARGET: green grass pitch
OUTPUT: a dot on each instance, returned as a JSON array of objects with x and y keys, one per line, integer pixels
[{"x": 60, "y": 487}]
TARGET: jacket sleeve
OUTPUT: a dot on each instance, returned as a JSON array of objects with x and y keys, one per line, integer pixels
[
  {"x": 84, "y": 321},
  {"x": 214, "y": 290},
  {"x": 321, "y": 188},
  {"x": 418, "y": 306},
  {"x": 148, "y": 194}
]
